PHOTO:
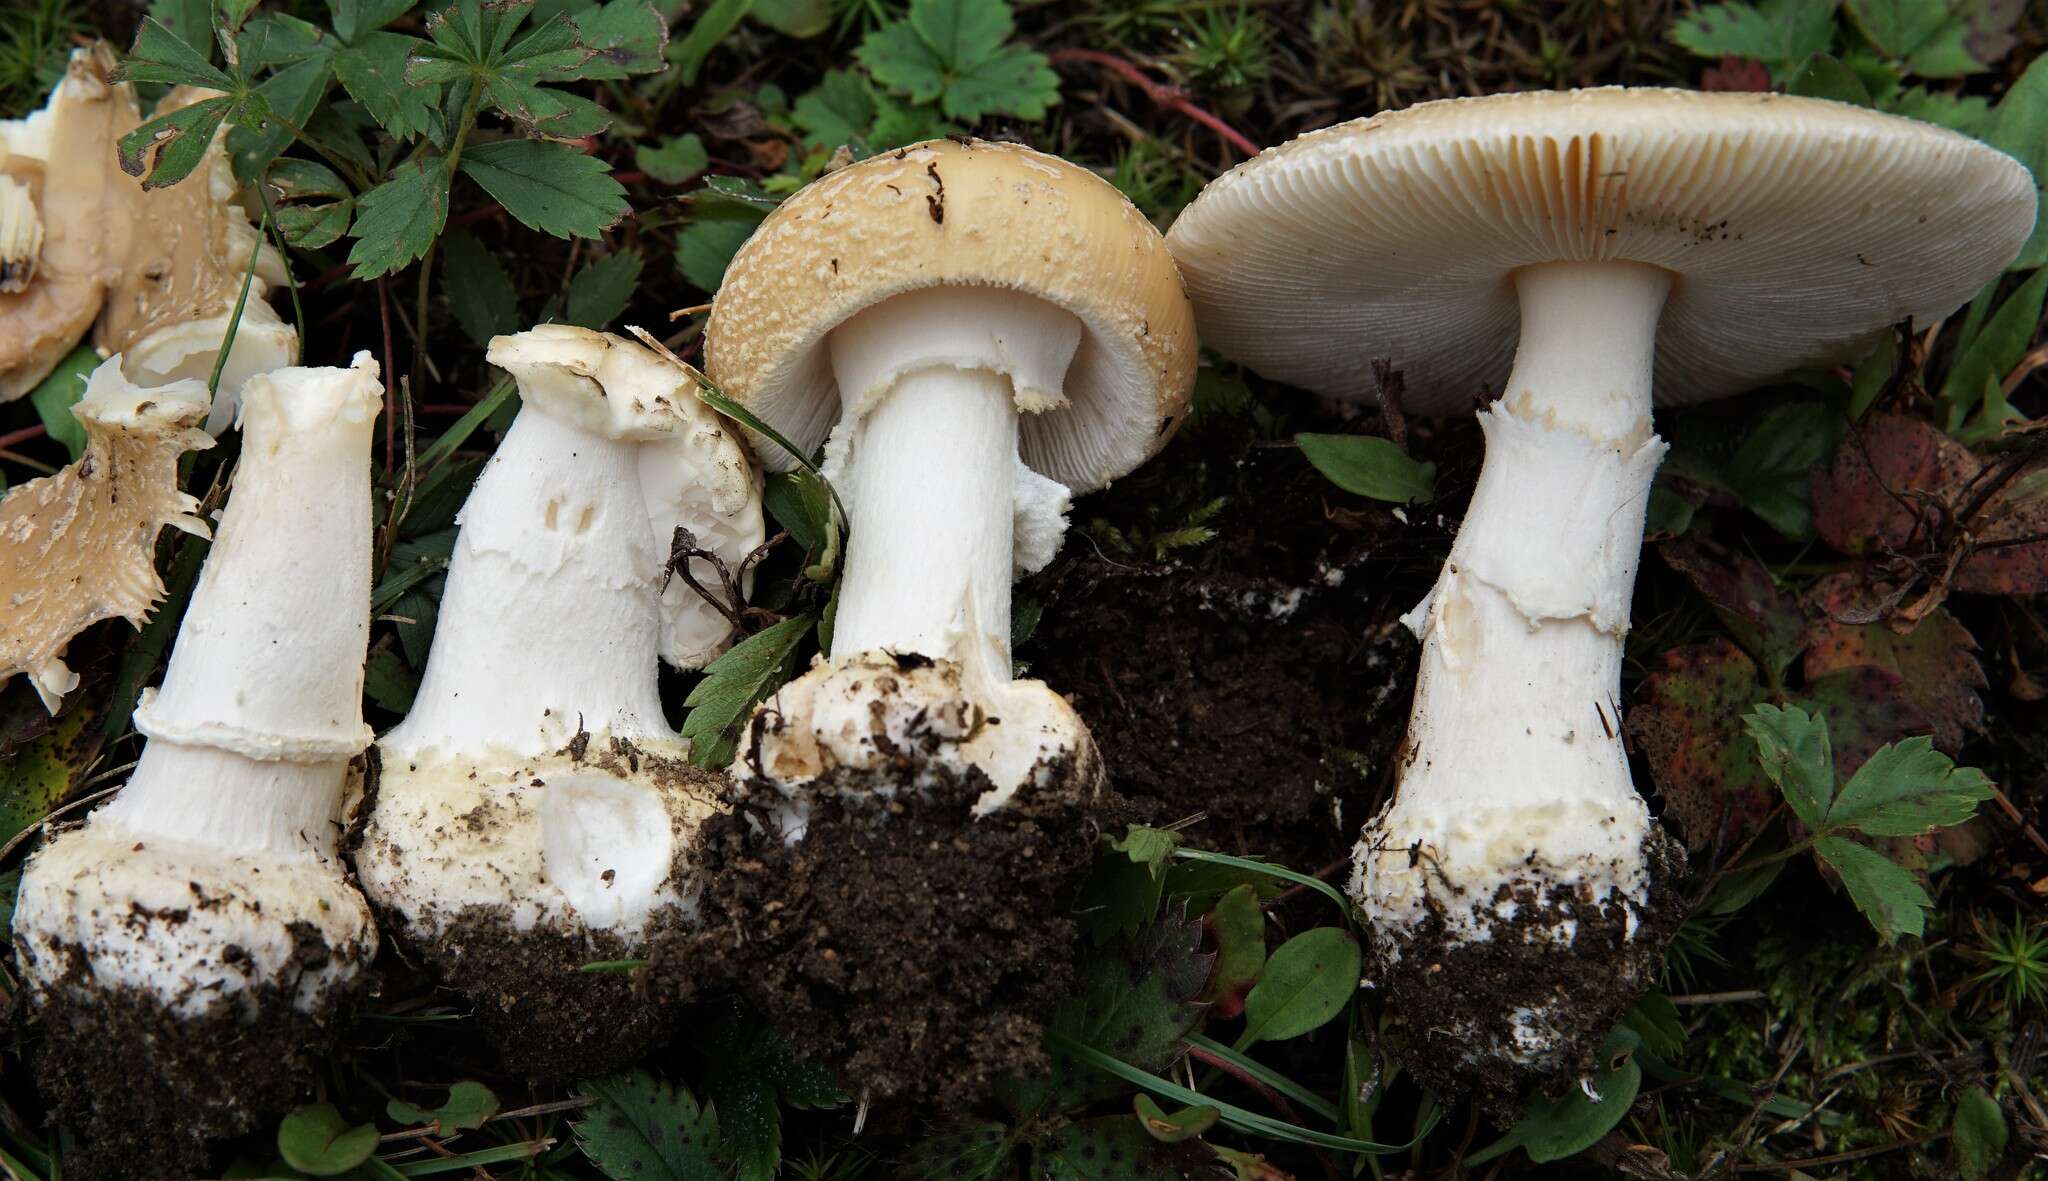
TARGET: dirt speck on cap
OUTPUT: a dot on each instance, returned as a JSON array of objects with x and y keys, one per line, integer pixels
[{"x": 909, "y": 945}]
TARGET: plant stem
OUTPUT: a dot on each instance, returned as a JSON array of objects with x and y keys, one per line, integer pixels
[{"x": 419, "y": 327}]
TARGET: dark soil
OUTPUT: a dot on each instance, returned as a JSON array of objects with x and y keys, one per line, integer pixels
[
  {"x": 911, "y": 946},
  {"x": 147, "y": 1090},
  {"x": 1454, "y": 998}
]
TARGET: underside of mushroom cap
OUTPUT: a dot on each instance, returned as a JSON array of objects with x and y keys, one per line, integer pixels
[
  {"x": 1794, "y": 228},
  {"x": 977, "y": 214},
  {"x": 80, "y": 546}
]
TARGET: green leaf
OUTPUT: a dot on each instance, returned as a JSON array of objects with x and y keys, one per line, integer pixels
[
  {"x": 160, "y": 55},
  {"x": 479, "y": 289},
  {"x": 1367, "y": 465},
  {"x": 643, "y": 1129},
  {"x": 1887, "y": 895},
  {"x": 166, "y": 149},
  {"x": 750, "y": 1074},
  {"x": 470, "y": 1105},
  {"x": 1793, "y": 747},
  {"x": 313, "y": 205},
  {"x": 838, "y": 111},
  {"x": 1016, "y": 81},
  {"x": 1185, "y": 1124},
  {"x": 1113, "y": 1148},
  {"x": 1779, "y": 33},
  {"x": 1929, "y": 36},
  {"x": 397, "y": 221},
  {"x": 1994, "y": 351},
  {"x": 2018, "y": 126},
  {"x": 292, "y": 95},
  {"x": 624, "y": 37},
  {"x": 706, "y": 245},
  {"x": 745, "y": 674},
  {"x": 675, "y": 161},
  {"x": 602, "y": 289},
  {"x": 721, "y": 18},
  {"x": 1772, "y": 471},
  {"x": 372, "y": 70},
  {"x": 1136, "y": 1002},
  {"x": 1307, "y": 982},
  {"x": 389, "y": 681},
  {"x": 1908, "y": 788},
  {"x": 1826, "y": 77},
  {"x": 1957, "y": 112},
  {"x": 315, "y": 1139},
  {"x": 544, "y": 110},
  {"x": 353, "y": 18},
  {"x": 1149, "y": 847},
  {"x": 1978, "y": 1134},
  {"x": 952, "y": 52},
  {"x": 39, "y": 773},
  {"x": 1238, "y": 926},
  {"x": 1553, "y": 1131},
  {"x": 794, "y": 18},
  {"x": 548, "y": 187},
  {"x": 57, "y": 393},
  {"x": 190, "y": 21}
]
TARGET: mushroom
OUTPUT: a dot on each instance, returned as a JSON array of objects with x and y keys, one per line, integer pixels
[
  {"x": 187, "y": 257},
  {"x": 62, "y": 224},
  {"x": 973, "y": 331},
  {"x": 192, "y": 948},
  {"x": 80, "y": 546},
  {"x": 982, "y": 329},
  {"x": 1516, "y": 883},
  {"x": 533, "y": 811}
]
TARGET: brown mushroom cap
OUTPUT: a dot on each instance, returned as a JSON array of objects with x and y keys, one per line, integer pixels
[
  {"x": 1793, "y": 228},
  {"x": 963, "y": 214}
]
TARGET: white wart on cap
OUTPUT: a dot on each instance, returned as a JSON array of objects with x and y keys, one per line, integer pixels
[{"x": 1561, "y": 249}]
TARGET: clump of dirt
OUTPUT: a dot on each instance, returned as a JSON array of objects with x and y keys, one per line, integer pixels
[
  {"x": 147, "y": 1089},
  {"x": 1463, "y": 1005},
  {"x": 1260, "y": 679},
  {"x": 910, "y": 945}
]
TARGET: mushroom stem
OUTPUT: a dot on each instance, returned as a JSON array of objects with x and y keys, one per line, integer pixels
[
  {"x": 931, "y": 385},
  {"x": 1517, "y": 785},
  {"x": 549, "y": 622}
]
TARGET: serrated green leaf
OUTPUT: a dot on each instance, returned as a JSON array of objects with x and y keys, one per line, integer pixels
[
  {"x": 1149, "y": 847},
  {"x": 1957, "y": 112},
  {"x": 190, "y": 21},
  {"x": 1779, "y": 33},
  {"x": 1824, "y": 76},
  {"x": 602, "y": 289},
  {"x": 1307, "y": 983},
  {"x": 398, "y": 220},
  {"x": 166, "y": 149},
  {"x": 1016, "y": 81},
  {"x": 1978, "y": 1134},
  {"x": 353, "y": 18},
  {"x": 952, "y": 52},
  {"x": 479, "y": 288},
  {"x": 1887, "y": 895},
  {"x": 291, "y": 95},
  {"x": 160, "y": 55},
  {"x": 624, "y": 38},
  {"x": 389, "y": 682},
  {"x": 750, "y": 1074},
  {"x": 1793, "y": 747},
  {"x": 706, "y": 245},
  {"x": 1551, "y": 1131},
  {"x": 1929, "y": 36},
  {"x": 1367, "y": 465},
  {"x": 316, "y": 1139},
  {"x": 2018, "y": 126},
  {"x": 548, "y": 187},
  {"x": 372, "y": 70},
  {"x": 746, "y": 673},
  {"x": 1908, "y": 788},
  {"x": 544, "y": 110},
  {"x": 312, "y": 204},
  {"x": 58, "y": 392},
  {"x": 837, "y": 111},
  {"x": 675, "y": 161},
  {"x": 643, "y": 1129},
  {"x": 1771, "y": 473}
]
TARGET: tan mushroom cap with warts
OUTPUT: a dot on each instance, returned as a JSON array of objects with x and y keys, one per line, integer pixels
[
  {"x": 948, "y": 213},
  {"x": 1793, "y": 227},
  {"x": 64, "y": 156}
]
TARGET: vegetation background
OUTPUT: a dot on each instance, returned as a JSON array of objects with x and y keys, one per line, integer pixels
[{"x": 1843, "y": 585}]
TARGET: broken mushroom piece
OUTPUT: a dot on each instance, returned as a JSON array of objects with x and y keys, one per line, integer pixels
[
  {"x": 189, "y": 251},
  {"x": 63, "y": 229},
  {"x": 534, "y": 811},
  {"x": 1516, "y": 884},
  {"x": 192, "y": 948},
  {"x": 973, "y": 331},
  {"x": 80, "y": 546}
]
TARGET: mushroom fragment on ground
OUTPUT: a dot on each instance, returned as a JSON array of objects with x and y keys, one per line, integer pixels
[
  {"x": 80, "y": 546},
  {"x": 1516, "y": 882},
  {"x": 191, "y": 949},
  {"x": 981, "y": 330},
  {"x": 188, "y": 253},
  {"x": 62, "y": 193},
  {"x": 533, "y": 813}
]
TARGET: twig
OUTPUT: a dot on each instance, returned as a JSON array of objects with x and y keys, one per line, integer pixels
[
  {"x": 1719, "y": 998},
  {"x": 24, "y": 435},
  {"x": 1812, "y": 1162},
  {"x": 1172, "y": 98}
]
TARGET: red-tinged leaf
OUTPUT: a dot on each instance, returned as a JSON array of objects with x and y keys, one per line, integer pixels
[
  {"x": 1765, "y": 619},
  {"x": 1735, "y": 73},
  {"x": 1865, "y": 708},
  {"x": 1687, "y": 724},
  {"x": 1897, "y": 481},
  {"x": 1935, "y": 661}
]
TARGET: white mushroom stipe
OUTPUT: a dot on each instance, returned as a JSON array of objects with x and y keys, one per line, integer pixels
[
  {"x": 534, "y": 810},
  {"x": 201, "y": 926}
]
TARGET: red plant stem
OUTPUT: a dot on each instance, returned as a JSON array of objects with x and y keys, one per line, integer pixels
[
  {"x": 1171, "y": 97},
  {"x": 21, "y": 436},
  {"x": 1265, "y": 1092}
]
